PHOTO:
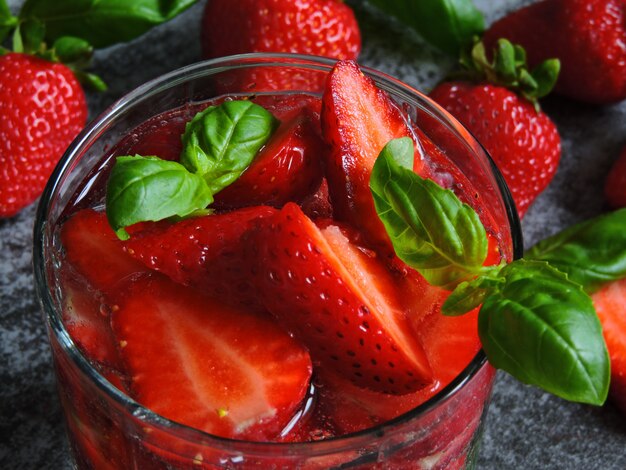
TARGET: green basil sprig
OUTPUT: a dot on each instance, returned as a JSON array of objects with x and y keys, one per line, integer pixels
[
  {"x": 102, "y": 22},
  {"x": 449, "y": 25},
  {"x": 591, "y": 253},
  {"x": 534, "y": 322},
  {"x": 219, "y": 143}
]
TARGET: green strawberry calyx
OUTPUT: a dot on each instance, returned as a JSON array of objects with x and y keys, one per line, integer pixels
[
  {"x": 509, "y": 69},
  {"x": 76, "y": 53}
]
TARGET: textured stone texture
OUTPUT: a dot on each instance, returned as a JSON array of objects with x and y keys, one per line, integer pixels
[{"x": 525, "y": 427}]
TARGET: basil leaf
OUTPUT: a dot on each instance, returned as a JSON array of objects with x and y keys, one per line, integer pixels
[
  {"x": 430, "y": 228},
  {"x": 149, "y": 189},
  {"x": 220, "y": 142},
  {"x": 591, "y": 253},
  {"x": 470, "y": 294},
  {"x": 542, "y": 328},
  {"x": 102, "y": 22},
  {"x": 449, "y": 25}
]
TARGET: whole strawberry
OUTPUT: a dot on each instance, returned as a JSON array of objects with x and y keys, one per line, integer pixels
[
  {"x": 42, "y": 109},
  {"x": 615, "y": 184},
  {"x": 317, "y": 27},
  {"x": 523, "y": 141},
  {"x": 588, "y": 36}
]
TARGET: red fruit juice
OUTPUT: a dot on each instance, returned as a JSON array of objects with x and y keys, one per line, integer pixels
[{"x": 97, "y": 280}]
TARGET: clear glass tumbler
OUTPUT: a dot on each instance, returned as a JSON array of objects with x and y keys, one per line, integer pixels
[{"x": 108, "y": 429}]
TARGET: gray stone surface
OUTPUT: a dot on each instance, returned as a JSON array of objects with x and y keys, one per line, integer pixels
[{"x": 525, "y": 427}]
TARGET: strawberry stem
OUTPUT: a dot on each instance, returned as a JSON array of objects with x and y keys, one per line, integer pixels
[{"x": 509, "y": 69}]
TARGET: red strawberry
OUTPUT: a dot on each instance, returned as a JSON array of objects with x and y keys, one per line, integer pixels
[
  {"x": 610, "y": 303},
  {"x": 317, "y": 27},
  {"x": 288, "y": 107},
  {"x": 340, "y": 301},
  {"x": 288, "y": 168},
  {"x": 317, "y": 205},
  {"x": 615, "y": 185},
  {"x": 203, "y": 252},
  {"x": 220, "y": 369},
  {"x": 159, "y": 136},
  {"x": 96, "y": 266},
  {"x": 95, "y": 252},
  {"x": 42, "y": 109},
  {"x": 588, "y": 36},
  {"x": 523, "y": 142},
  {"x": 358, "y": 120}
]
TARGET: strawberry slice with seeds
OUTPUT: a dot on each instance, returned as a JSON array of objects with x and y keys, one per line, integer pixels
[
  {"x": 288, "y": 168},
  {"x": 95, "y": 265},
  {"x": 220, "y": 369},
  {"x": 610, "y": 304},
  {"x": 340, "y": 301},
  {"x": 358, "y": 120},
  {"x": 95, "y": 252},
  {"x": 206, "y": 253}
]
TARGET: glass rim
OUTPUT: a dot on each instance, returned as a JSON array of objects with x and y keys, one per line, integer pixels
[{"x": 184, "y": 74}]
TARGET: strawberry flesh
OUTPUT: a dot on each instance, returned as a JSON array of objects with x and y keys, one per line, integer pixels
[
  {"x": 97, "y": 267},
  {"x": 207, "y": 253},
  {"x": 358, "y": 120},
  {"x": 288, "y": 168},
  {"x": 95, "y": 252},
  {"x": 340, "y": 301},
  {"x": 220, "y": 369},
  {"x": 610, "y": 304}
]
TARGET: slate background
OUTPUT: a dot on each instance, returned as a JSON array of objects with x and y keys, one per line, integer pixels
[{"x": 525, "y": 427}]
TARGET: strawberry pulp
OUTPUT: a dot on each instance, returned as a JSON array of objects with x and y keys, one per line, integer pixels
[{"x": 279, "y": 317}]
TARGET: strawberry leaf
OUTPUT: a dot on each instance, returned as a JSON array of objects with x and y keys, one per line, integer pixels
[
  {"x": 150, "y": 189},
  {"x": 429, "y": 227},
  {"x": 102, "y": 22},
  {"x": 447, "y": 24},
  {"x": 90, "y": 80},
  {"x": 7, "y": 20},
  {"x": 220, "y": 142},
  {"x": 73, "y": 50},
  {"x": 542, "y": 328},
  {"x": 510, "y": 70},
  {"x": 591, "y": 253}
]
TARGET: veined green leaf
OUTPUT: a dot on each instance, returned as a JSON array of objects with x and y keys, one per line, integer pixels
[
  {"x": 221, "y": 141},
  {"x": 149, "y": 189},
  {"x": 102, "y": 22},
  {"x": 429, "y": 227},
  {"x": 590, "y": 253},
  {"x": 542, "y": 328},
  {"x": 449, "y": 25}
]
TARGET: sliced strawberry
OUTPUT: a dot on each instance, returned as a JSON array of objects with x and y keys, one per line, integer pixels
[
  {"x": 287, "y": 107},
  {"x": 288, "y": 168},
  {"x": 610, "y": 303},
  {"x": 340, "y": 301},
  {"x": 358, "y": 120},
  {"x": 318, "y": 205},
  {"x": 95, "y": 252},
  {"x": 86, "y": 317},
  {"x": 220, "y": 369},
  {"x": 203, "y": 252},
  {"x": 95, "y": 265}
]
